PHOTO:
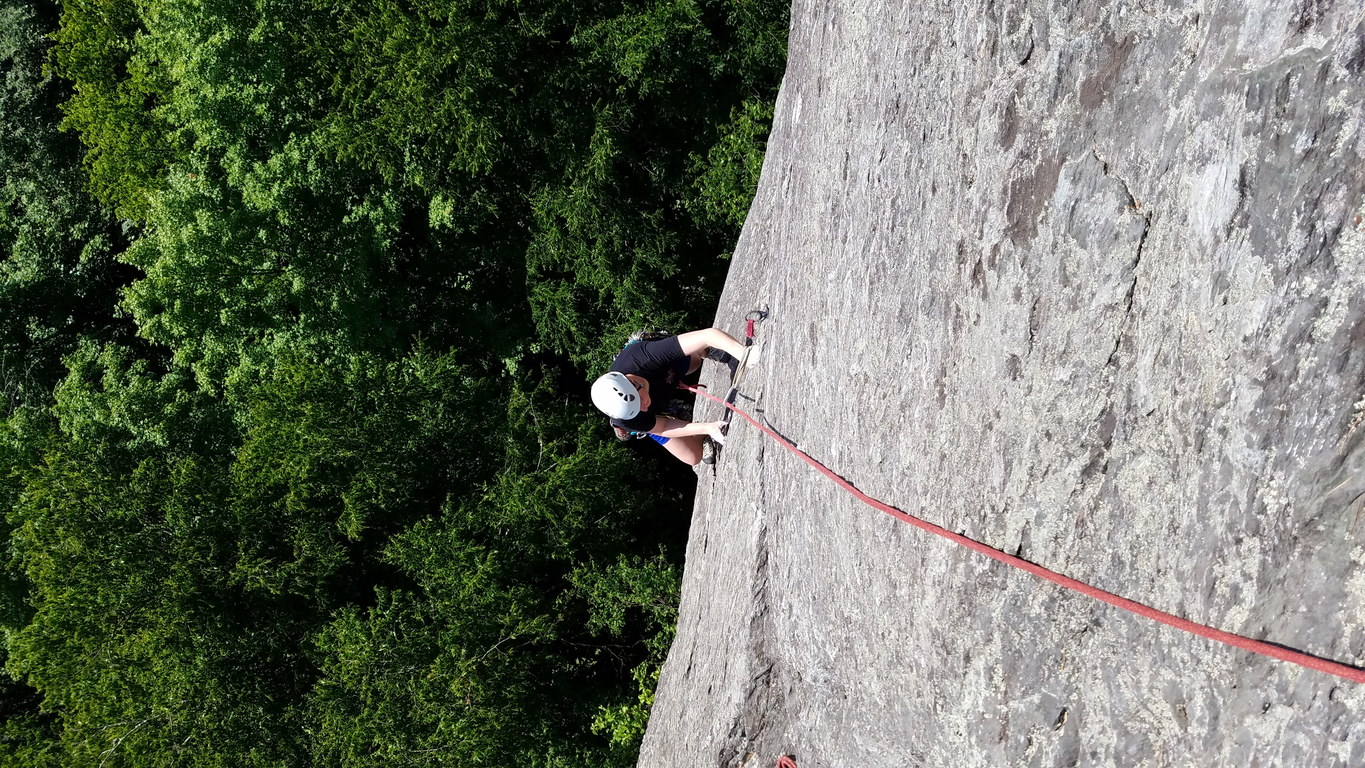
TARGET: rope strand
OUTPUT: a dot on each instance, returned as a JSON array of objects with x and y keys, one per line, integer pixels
[{"x": 1327, "y": 666}]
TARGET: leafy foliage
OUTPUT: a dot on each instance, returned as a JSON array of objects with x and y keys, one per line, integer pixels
[
  {"x": 298, "y": 301},
  {"x": 58, "y": 274},
  {"x": 727, "y": 176},
  {"x": 115, "y": 102}
]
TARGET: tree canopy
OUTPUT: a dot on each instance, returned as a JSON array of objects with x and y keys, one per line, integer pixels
[{"x": 298, "y": 302}]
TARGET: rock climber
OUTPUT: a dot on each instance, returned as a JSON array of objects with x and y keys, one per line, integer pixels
[{"x": 639, "y": 387}]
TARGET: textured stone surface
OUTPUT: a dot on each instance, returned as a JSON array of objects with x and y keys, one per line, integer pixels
[{"x": 1079, "y": 282}]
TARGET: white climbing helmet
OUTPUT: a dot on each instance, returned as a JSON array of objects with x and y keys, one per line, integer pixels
[{"x": 614, "y": 395}]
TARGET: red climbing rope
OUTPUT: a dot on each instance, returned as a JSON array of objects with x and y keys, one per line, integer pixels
[{"x": 1338, "y": 669}]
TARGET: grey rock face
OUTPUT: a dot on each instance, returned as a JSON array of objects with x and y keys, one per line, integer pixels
[{"x": 1079, "y": 280}]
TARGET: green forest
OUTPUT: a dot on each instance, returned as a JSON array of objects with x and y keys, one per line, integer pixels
[{"x": 298, "y": 305}]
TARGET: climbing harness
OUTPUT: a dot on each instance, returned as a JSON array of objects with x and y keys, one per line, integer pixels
[{"x": 1259, "y": 647}]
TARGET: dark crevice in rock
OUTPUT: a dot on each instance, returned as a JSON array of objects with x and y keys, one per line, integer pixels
[
  {"x": 1034, "y": 323},
  {"x": 1104, "y": 441},
  {"x": 1135, "y": 206}
]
